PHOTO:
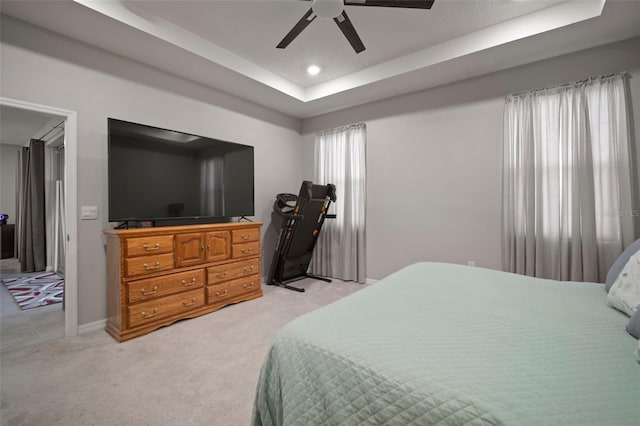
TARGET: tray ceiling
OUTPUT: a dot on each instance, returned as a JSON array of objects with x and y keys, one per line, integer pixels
[{"x": 230, "y": 45}]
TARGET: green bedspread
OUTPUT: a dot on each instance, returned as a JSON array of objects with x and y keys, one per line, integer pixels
[{"x": 445, "y": 344}]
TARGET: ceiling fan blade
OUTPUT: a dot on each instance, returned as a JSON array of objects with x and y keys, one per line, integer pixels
[
  {"x": 345, "y": 25},
  {"x": 297, "y": 29},
  {"x": 407, "y": 4}
]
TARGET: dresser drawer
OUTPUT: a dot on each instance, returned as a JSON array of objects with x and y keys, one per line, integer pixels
[
  {"x": 227, "y": 290},
  {"x": 152, "y": 288},
  {"x": 245, "y": 249},
  {"x": 148, "y": 312},
  {"x": 245, "y": 235},
  {"x": 148, "y": 264},
  {"x": 218, "y": 274},
  {"x": 149, "y": 245}
]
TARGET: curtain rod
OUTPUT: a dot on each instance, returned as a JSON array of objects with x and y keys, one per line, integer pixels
[
  {"x": 623, "y": 74},
  {"x": 341, "y": 128},
  {"x": 52, "y": 129}
]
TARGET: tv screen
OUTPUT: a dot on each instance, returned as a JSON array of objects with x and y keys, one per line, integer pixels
[{"x": 159, "y": 174}]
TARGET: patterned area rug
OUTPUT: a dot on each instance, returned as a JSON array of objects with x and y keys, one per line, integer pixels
[{"x": 35, "y": 290}]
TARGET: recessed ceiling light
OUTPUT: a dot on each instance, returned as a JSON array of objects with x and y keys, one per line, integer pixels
[{"x": 313, "y": 69}]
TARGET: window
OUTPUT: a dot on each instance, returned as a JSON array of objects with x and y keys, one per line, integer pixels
[
  {"x": 340, "y": 160},
  {"x": 567, "y": 175}
]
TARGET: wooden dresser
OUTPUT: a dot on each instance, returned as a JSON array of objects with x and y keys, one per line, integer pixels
[{"x": 156, "y": 276}]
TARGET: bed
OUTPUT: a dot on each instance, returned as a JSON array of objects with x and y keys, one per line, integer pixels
[{"x": 444, "y": 344}]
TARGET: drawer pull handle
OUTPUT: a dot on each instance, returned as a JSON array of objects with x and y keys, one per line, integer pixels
[
  {"x": 154, "y": 248},
  {"x": 244, "y": 251},
  {"x": 189, "y": 283},
  {"x": 193, "y": 301},
  {"x": 147, "y": 267},
  {"x": 224, "y": 275},
  {"x": 245, "y": 237},
  {"x": 220, "y": 294},
  {"x": 248, "y": 285},
  {"x": 146, "y": 315},
  {"x": 248, "y": 269},
  {"x": 146, "y": 293}
]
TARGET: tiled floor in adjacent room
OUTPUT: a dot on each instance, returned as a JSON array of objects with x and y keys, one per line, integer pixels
[{"x": 20, "y": 328}]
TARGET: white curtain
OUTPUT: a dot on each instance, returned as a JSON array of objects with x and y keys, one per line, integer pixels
[
  {"x": 340, "y": 159},
  {"x": 567, "y": 180},
  {"x": 50, "y": 203},
  {"x": 60, "y": 215}
]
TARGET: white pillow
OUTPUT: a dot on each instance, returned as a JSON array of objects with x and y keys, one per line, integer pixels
[{"x": 624, "y": 294}]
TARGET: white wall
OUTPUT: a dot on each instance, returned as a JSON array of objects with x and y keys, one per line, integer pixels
[
  {"x": 44, "y": 68},
  {"x": 434, "y": 159},
  {"x": 8, "y": 167}
]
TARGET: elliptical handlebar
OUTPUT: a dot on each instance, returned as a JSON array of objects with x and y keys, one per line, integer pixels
[
  {"x": 284, "y": 198},
  {"x": 281, "y": 203},
  {"x": 332, "y": 192}
]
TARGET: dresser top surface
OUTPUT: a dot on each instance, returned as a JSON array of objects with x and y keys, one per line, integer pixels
[{"x": 181, "y": 229}]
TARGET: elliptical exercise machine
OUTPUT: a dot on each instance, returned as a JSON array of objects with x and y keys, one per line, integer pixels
[{"x": 302, "y": 219}]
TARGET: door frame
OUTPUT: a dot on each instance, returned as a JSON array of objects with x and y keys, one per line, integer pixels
[{"x": 71, "y": 205}]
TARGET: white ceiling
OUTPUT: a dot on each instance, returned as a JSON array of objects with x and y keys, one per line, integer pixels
[
  {"x": 229, "y": 45},
  {"x": 253, "y": 29},
  {"x": 18, "y": 126}
]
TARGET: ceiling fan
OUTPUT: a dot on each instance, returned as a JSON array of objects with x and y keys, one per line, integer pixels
[{"x": 334, "y": 9}]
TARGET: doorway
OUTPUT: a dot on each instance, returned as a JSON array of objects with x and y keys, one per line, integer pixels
[{"x": 67, "y": 227}]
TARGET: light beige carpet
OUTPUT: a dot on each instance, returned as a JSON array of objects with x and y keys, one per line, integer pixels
[{"x": 201, "y": 371}]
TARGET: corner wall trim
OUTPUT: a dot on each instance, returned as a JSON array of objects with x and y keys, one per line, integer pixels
[{"x": 92, "y": 326}]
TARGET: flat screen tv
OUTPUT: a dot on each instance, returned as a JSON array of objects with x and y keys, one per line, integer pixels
[{"x": 163, "y": 175}]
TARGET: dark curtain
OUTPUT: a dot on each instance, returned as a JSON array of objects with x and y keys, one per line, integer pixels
[{"x": 33, "y": 255}]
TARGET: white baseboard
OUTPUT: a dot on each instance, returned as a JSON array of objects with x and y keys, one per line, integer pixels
[
  {"x": 370, "y": 281},
  {"x": 92, "y": 326}
]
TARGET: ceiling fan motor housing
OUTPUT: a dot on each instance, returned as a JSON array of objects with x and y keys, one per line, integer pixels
[{"x": 328, "y": 8}]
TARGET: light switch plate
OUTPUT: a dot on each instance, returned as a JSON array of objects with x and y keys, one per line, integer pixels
[{"x": 89, "y": 212}]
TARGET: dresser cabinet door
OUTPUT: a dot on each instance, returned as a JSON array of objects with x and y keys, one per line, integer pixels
[
  {"x": 218, "y": 246},
  {"x": 190, "y": 249}
]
